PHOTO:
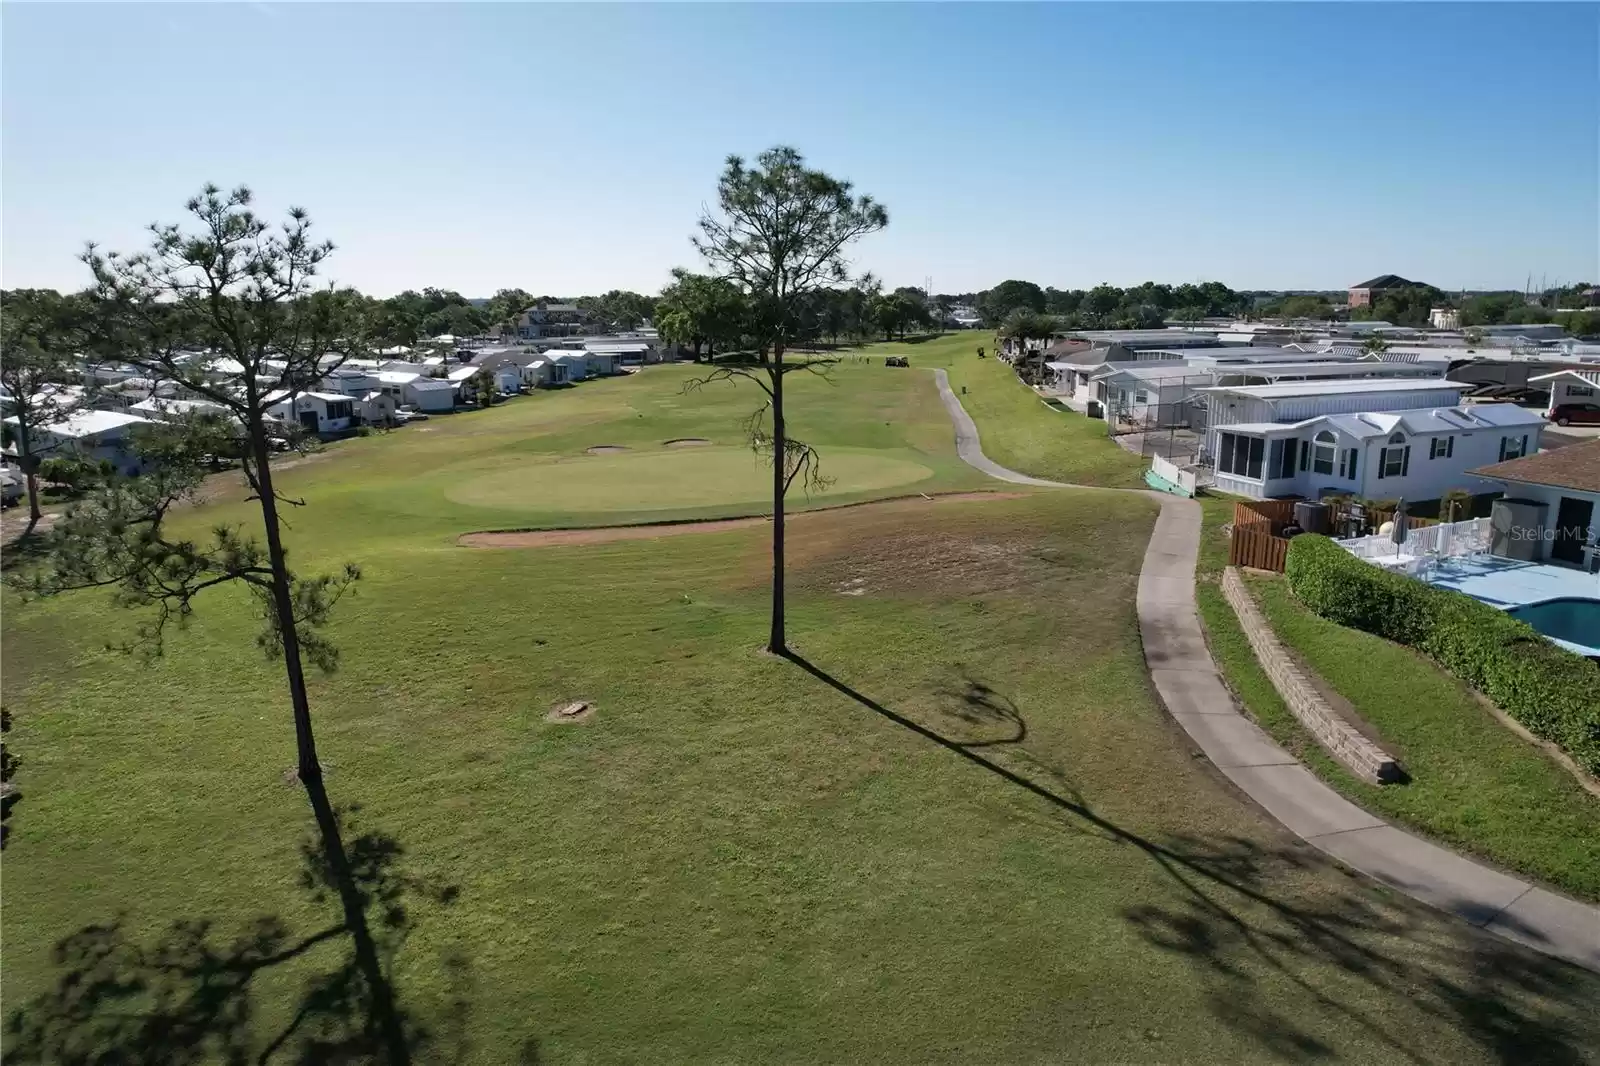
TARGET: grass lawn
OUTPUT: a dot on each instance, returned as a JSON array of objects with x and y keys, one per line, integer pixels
[
  {"x": 1017, "y": 429},
  {"x": 1474, "y": 784},
  {"x": 527, "y": 462},
  {"x": 966, "y": 833}
]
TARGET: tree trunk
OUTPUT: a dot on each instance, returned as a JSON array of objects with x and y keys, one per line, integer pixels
[
  {"x": 775, "y": 642},
  {"x": 30, "y": 467},
  {"x": 310, "y": 769}
]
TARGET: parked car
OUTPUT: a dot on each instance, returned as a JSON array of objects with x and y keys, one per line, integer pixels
[
  {"x": 1581, "y": 414},
  {"x": 404, "y": 415}
]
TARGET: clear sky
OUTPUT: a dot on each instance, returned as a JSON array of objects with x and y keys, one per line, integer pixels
[{"x": 569, "y": 150}]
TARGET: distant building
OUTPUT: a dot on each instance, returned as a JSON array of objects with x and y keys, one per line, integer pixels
[
  {"x": 1364, "y": 294},
  {"x": 1444, "y": 318},
  {"x": 550, "y": 320}
]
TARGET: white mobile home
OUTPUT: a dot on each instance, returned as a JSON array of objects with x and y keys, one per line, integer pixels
[
  {"x": 168, "y": 410},
  {"x": 316, "y": 412},
  {"x": 429, "y": 394},
  {"x": 1568, "y": 387},
  {"x": 1415, "y": 454},
  {"x": 602, "y": 363},
  {"x": 567, "y": 364},
  {"x": 96, "y": 436}
]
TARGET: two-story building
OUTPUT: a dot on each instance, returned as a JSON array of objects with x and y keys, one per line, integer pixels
[{"x": 550, "y": 320}]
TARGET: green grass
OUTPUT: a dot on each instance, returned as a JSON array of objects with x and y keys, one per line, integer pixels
[
  {"x": 1018, "y": 429},
  {"x": 1474, "y": 784},
  {"x": 732, "y": 861},
  {"x": 526, "y": 463}
]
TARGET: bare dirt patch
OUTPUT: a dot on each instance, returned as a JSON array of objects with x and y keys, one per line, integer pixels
[
  {"x": 605, "y": 449},
  {"x": 686, "y": 442},
  {"x": 571, "y": 711},
  {"x": 542, "y": 538}
]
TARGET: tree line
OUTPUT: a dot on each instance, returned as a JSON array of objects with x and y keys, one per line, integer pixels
[
  {"x": 1147, "y": 306},
  {"x": 708, "y": 313}
]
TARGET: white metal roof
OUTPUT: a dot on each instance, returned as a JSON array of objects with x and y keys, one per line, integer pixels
[
  {"x": 1590, "y": 377},
  {"x": 397, "y": 377},
  {"x": 88, "y": 422},
  {"x": 429, "y": 384},
  {"x": 1336, "y": 387}
]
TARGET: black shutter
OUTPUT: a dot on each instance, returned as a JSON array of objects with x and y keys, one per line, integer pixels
[
  {"x": 1305, "y": 454},
  {"x": 1449, "y": 447},
  {"x": 1405, "y": 461},
  {"x": 1383, "y": 460},
  {"x": 1353, "y": 454}
]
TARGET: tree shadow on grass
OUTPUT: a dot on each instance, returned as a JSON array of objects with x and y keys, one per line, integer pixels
[
  {"x": 1517, "y": 1005},
  {"x": 194, "y": 993}
]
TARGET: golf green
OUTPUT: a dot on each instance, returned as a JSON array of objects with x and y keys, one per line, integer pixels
[{"x": 669, "y": 479}]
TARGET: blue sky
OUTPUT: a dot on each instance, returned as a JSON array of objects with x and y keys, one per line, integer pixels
[{"x": 570, "y": 149}]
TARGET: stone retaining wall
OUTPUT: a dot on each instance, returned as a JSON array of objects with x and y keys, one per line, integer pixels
[{"x": 1361, "y": 756}]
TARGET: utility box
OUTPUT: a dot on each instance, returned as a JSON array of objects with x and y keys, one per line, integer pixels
[{"x": 1517, "y": 529}]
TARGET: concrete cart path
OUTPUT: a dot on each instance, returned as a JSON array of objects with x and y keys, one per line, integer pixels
[{"x": 1186, "y": 679}]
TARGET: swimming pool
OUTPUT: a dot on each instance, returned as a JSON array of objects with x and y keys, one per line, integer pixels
[{"x": 1569, "y": 621}]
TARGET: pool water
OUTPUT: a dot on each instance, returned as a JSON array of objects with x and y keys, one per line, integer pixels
[{"x": 1570, "y": 621}]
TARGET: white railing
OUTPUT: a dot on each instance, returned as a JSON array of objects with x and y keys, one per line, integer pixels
[
  {"x": 1443, "y": 541},
  {"x": 1171, "y": 472}
]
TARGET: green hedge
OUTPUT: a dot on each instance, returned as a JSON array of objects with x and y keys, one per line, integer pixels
[{"x": 1555, "y": 693}]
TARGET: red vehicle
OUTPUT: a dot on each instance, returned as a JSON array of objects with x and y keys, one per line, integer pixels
[{"x": 1576, "y": 414}]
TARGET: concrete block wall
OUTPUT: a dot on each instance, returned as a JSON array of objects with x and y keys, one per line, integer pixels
[{"x": 1358, "y": 754}]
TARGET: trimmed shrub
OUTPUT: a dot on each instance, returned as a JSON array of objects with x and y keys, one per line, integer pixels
[{"x": 1555, "y": 693}]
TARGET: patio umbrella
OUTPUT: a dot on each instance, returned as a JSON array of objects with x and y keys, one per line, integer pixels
[{"x": 1397, "y": 531}]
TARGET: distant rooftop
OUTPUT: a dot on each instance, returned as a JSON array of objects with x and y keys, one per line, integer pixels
[{"x": 1336, "y": 387}]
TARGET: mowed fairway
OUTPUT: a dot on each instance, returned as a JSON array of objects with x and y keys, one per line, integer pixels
[
  {"x": 598, "y": 453},
  {"x": 960, "y": 831}
]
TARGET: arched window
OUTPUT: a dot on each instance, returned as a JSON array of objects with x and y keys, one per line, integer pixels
[
  {"x": 1395, "y": 460},
  {"x": 1323, "y": 450}
]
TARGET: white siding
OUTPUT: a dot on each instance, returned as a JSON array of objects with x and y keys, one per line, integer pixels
[{"x": 1297, "y": 408}]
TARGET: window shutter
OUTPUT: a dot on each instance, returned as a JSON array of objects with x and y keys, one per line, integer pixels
[
  {"x": 1353, "y": 455},
  {"x": 1502, "y": 449},
  {"x": 1405, "y": 461},
  {"x": 1383, "y": 460},
  {"x": 1305, "y": 454},
  {"x": 1449, "y": 447}
]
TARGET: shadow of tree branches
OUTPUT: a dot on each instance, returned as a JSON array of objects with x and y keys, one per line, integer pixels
[
  {"x": 194, "y": 993},
  {"x": 1233, "y": 922}
]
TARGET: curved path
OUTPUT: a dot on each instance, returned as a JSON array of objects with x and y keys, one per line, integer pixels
[{"x": 1186, "y": 680}]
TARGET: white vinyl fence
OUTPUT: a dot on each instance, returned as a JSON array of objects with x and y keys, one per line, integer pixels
[{"x": 1443, "y": 541}]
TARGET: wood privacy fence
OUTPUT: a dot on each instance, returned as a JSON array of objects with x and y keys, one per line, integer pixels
[{"x": 1255, "y": 541}]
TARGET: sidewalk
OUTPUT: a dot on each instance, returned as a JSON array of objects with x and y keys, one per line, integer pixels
[{"x": 1186, "y": 680}]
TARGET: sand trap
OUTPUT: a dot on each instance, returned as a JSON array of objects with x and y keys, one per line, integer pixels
[
  {"x": 605, "y": 449},
  {"x": 686, "y": 442},
  {"x": 542, "y": 538}
]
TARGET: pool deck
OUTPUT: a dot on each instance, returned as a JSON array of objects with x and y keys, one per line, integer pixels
[{"x": 1509, "y": 583}]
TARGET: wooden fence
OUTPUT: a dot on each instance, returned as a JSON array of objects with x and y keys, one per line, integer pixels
[{"x": 1255, "y": 541}]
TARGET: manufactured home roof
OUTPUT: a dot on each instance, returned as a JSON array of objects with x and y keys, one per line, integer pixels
[
  {"x": 1574, "y": 467},
  {"x": 1436, "y": 420},
  {"x": 1588, "y": 377},
  {"x": 87, "y": 423},
  {"x": 397, "y": 377},
  {"x": 428, "y": 385},
  {"x": 1337, "y": 387}
]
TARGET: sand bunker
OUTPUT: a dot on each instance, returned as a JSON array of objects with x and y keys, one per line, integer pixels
[
  {"x": 542, "y": 538},
  {"x": 685, "y": 442},
  {"x": 605, "y": 449}
]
